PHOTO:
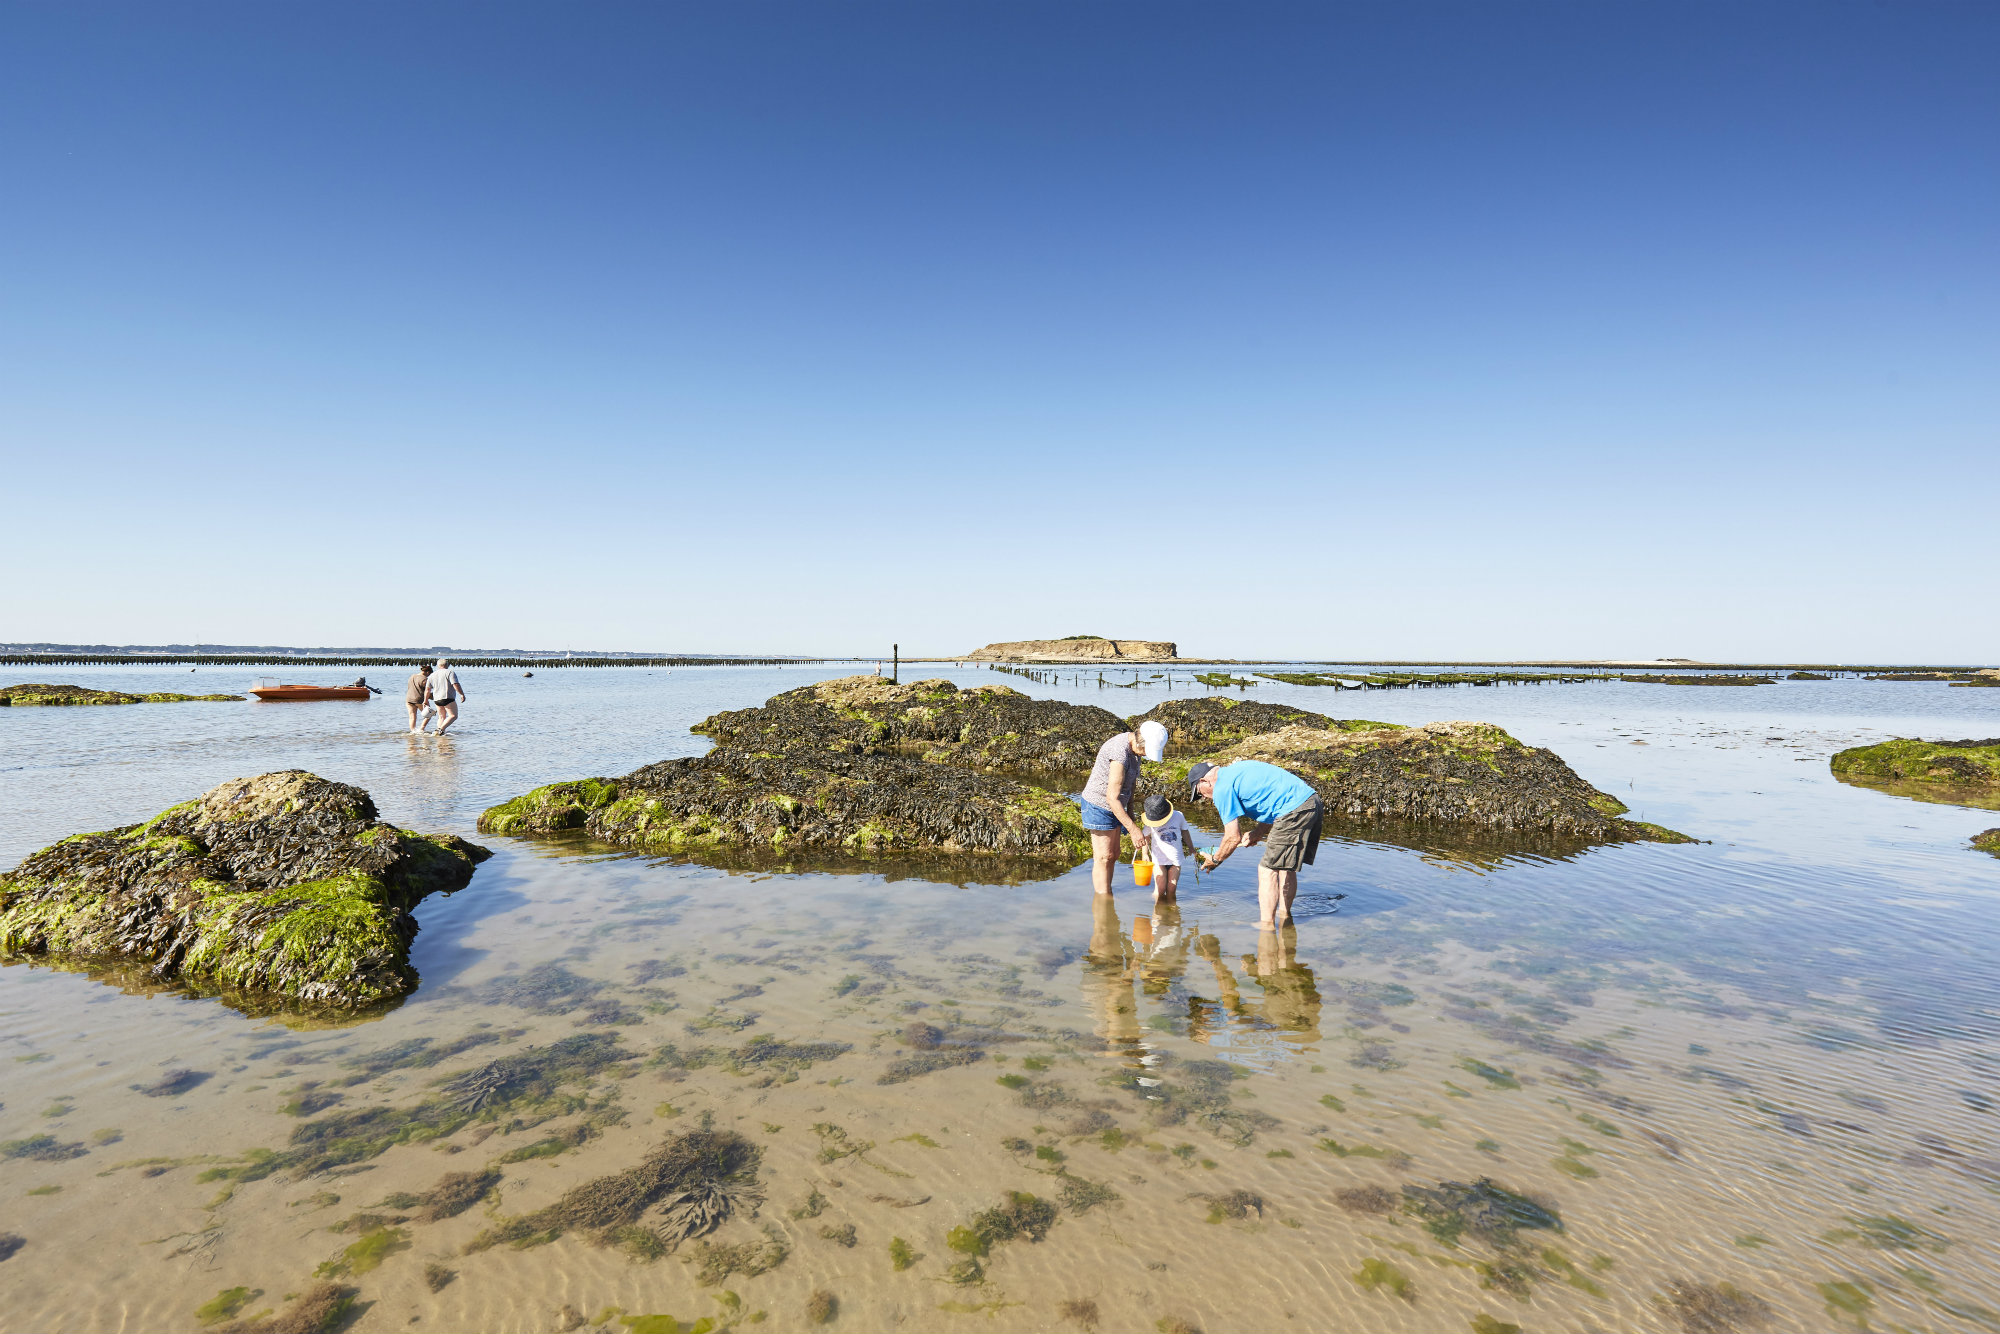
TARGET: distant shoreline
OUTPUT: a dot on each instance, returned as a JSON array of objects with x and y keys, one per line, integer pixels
[{"x": 60, "y": 656}]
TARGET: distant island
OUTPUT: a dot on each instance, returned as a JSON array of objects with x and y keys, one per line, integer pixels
[{"x": 1078, "y": 648}]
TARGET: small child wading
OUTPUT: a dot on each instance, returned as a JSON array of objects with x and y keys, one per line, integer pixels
[{"x": 1166, "y": 837}]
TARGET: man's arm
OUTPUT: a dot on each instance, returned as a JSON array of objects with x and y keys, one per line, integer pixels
[{"x": 1232, "y": 838}]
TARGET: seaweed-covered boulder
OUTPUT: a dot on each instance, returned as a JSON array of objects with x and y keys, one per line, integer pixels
[
  {"x": 978, "y": 727},
  {"x": 285, "y": 883},
  {"x": 26, "y": 695},
  {"x": 1987, "y": 840},
  {"x": 1955, "y": 773},
  {"x": 1204, "y": 725},
  {"x": 855, "y": 804},
  {"x": 1442, "y": 773}
]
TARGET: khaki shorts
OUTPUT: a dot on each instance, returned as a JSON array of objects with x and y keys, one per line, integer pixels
[{"x": 1294, "y": 837}]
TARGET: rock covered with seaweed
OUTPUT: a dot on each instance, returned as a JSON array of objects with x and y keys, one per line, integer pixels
[
  {"x": 1958, "y": 773},
  {"x": 28, "y": 695},
  {"x": 862, "y": 805},
  {"x": 1452, "y": 773},
  {"x": 978, "y": 727},
  {"x": 1207, "y": 723},
  {"x": 286, "y": 883}
]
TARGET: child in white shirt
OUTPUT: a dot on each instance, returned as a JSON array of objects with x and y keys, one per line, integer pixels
[{"x": 1166, "y": 833}]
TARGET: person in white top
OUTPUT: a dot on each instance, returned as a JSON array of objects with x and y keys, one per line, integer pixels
[
  {"x": 445, "y": 693},
  {"x": 1166, "y": 831}
]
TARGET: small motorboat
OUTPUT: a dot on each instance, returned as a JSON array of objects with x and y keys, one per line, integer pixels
[{"x": 270, "y": 689}]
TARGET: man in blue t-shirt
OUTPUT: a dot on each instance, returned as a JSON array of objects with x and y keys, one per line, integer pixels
[{"x": 1274, "y": 799}]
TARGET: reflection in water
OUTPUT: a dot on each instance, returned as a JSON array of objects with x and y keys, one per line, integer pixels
[
  {"x": 1151, "y": 963},
  {"x": 1288, "y": 1002},
  {"x": 1108, "y": 969}
]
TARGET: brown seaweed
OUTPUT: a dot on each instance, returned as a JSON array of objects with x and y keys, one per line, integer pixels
[
  {"x": 317, "y": 1310},
  {"x": 1712, "y": 1308},
  {"x": 597, "y": 1208}
]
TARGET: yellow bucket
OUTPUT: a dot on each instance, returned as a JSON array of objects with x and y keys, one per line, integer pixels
[{"x": 1142, "y": 874}]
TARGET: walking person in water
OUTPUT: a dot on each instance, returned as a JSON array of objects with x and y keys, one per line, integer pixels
[
  {"x": 1285, "y": 813},
  {"x": 445, "y": 693},
  {"x": 416, "y": 693},
  {"x": 1107, "y": 797}
]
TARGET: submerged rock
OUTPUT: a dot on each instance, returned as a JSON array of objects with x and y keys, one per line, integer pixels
[
  {"x": 1203, "y": 726},
  {"x": 25, "y": 695},
  {"x": 1987, "y": 840},
  {"x": 1459, "y": 773},
  {"x": 1957, "y": 773},
  {"x": 857, "y": 804},
  {"x": 285, "y": 883},
  {"x": 979, "y": 727}
]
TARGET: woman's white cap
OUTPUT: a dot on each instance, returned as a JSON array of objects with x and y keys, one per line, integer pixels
[{"x": 1154, "y": 734}]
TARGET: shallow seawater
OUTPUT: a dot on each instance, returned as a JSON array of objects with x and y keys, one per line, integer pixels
[{"x": 1771, "y": 1061}]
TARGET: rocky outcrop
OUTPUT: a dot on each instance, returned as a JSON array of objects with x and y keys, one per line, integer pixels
[
  {"x": 853, "y": 804},
  {"x": 1954, "y": 773},
  {"x": 1987, "y": 840},
  {"x": 25, "y": 695},
  {"x": 285, "y": 884},
  {"x": 980, "y": 727},
  {"x": 1079, "y": 648},
  {"x": 1950, "y": 763},
  {"x": 1198, "y": 727},
  {"x": 1468, "y": 774}
]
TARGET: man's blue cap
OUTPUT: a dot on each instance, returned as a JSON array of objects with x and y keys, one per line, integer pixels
[{"x": 1200, "y": 771}]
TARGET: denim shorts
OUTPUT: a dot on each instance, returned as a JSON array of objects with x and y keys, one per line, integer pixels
[{"x": 1097, "y": 819}]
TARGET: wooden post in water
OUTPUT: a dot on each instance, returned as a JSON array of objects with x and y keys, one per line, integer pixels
[{"x": 895, "y": 662}]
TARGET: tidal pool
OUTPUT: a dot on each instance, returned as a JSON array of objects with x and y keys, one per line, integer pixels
[{"x": 1748, "y": 1084}]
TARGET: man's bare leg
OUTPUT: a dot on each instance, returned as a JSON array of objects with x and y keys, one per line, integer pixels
[
  {"x": 1275, "y": 892},
  {"x": 1103, "y": 858},
  {"x": 447, "y": 715}
]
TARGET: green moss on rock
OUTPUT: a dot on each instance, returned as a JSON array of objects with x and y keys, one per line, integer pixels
[
  {"x": 1453, "y": 774},
  {"x": 282, "y": 884},
  {"x": 857, "y": 805},
  {"x": 1987, "y": 841},
  {"x": 1202, "y": 726},
  {"x": 32, "y": 695},
  {"x": 987, "y": 727},
  {"x": 1968, "y": 765}
]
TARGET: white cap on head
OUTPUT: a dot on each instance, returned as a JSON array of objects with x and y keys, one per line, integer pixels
[{"x": 1154, "y": 734}]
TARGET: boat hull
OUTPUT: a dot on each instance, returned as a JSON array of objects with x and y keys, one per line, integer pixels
[{"x": 282, "y": 694}]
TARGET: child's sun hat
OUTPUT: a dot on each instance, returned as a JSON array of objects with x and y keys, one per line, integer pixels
[{"x": 1158, "y": 810}]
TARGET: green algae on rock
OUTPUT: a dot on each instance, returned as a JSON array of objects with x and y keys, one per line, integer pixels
[
  {"x": 860, "y": 805},
  {"x": 1455, "y": 773},
  {"x": 1953, "y": 773},
  {"x": 978, "y": 727},
  {"x": 26, "y": 695},
  {"x": 1200, "y": 726},
  {"x": 1987, "y": 840},
  {"x": 283, "y": 884}
]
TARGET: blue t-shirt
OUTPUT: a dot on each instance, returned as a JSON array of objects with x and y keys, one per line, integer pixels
[{"x": 1262, "y": 791}]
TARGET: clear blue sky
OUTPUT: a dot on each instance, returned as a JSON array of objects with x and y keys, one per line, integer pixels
[{"x": 1384, "y": 329}]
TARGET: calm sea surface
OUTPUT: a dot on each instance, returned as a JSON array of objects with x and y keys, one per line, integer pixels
[{"x": 1771, "y": 1061}]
